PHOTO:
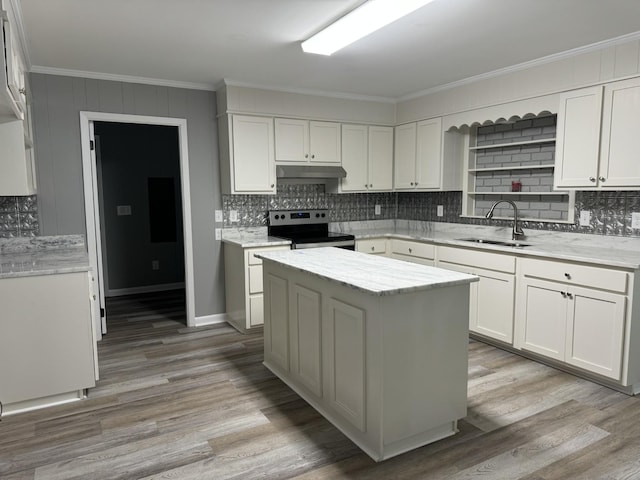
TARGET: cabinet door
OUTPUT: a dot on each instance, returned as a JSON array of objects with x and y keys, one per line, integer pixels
[
  {"x": 380, "y": 158},
  {"x": 595, "y": 331},
  {"x": 578, "y": 138},
  {"x": 344, "y": 357},
  {"x": 544, "y": 311},
  {"x": 253, "y": 160},
  {"x": 354, "y": 158},
  {"x": 15, "y": 68},
  {"x": 324, "y": 142},
  {"x": 306, "y": 331},
  {"x": 494, "y": 305},
  {"x": 619, "y": 163},
  {"x": 292, "y": 140},
  {"x": 473, "y": 291},
  {"x": 404, "y": 172},
  {"x": 276, "y": 322},
  {"x": 429, "y": 154}
]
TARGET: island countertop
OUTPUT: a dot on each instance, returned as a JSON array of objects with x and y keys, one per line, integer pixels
[{"x": 368, "y": 273}]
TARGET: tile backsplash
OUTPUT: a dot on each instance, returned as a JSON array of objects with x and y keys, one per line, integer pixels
[
  {"x": 610, "y": 211},
  {"x": 18, "y": 217}
]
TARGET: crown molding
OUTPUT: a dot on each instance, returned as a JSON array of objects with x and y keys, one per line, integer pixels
[
  {"x": 525, "y": 65},
  {"x": 121, "y": 78}
]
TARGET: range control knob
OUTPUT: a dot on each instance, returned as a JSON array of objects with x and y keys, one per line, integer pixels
[
  {"x": 317, "y": 215},
  {"x": 323, "y": 215},
  {"x": 277, "y": 217}
]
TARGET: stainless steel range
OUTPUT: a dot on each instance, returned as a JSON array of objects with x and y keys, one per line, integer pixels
[{"x": 307, "y": 229}]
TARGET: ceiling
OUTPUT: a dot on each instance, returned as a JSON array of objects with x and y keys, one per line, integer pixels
[{"x": 198, "y": 43}]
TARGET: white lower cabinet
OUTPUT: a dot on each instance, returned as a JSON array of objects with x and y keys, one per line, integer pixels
[
  {"x": 567, "y": 321},
  {"x": 375, "y": 246},
  {"x": 46, "y": 340},
  {"x": 410, "y": 251},
  {"x": 243, "y": 282},
  {"x": 491, "y": 301}
]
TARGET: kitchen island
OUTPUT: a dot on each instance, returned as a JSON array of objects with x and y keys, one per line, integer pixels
[{"x": 378, "y": 346}]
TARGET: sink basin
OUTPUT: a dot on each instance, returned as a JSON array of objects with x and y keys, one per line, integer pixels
[{"x": 502, "y": 243}]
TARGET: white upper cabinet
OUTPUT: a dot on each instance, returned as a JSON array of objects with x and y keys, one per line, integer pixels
[
  {"x": 247, "y": 156},
  {"x": 302, "y": 142},
  {"x": 12, "y": 74},
  {"x": 422, "y": 161},
  {"x": 367, "y": 157},
  {"x": 597, "y": 137}
]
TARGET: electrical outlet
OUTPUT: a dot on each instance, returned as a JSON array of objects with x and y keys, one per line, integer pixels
[
  {"x": 585, "y": 218},
  {"x": 123, "y": 210},
  {"x": 378, "y": 210},
  {"x": 155, "y": 264},
  {"x": 233, "y": 216},
  {"x": 218, "y": 216},
  {"x": 440, "y": 210},
  {"x": 218, "y": 233},
  {"x": 635, "y": 220}
]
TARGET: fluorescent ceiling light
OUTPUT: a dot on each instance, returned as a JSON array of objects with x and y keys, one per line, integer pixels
[{"x": 362, "y": 21}]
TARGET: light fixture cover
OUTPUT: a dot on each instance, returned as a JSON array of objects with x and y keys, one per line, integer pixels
[{"x": 358, "y": 23}]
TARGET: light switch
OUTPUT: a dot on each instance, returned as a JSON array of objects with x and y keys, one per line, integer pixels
[
  {"x": 233, "y": 216},
  {"x": 218, "y": 216},
  {"x": 378, "y": 210},
  {"x": 440, "y": 211},
  {"x": 585, "y": 218},
  {"x": 635, "y": 220},
  {"x": 155, "y": 264}
]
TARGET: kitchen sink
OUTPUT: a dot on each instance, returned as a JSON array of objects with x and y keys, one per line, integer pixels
[{"x": 502, "y": 243}]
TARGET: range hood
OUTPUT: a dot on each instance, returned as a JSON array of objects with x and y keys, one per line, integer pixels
[{"x": 317, "y": 172}]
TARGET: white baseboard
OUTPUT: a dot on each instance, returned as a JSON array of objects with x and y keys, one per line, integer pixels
[
  {"x": 210, "y": 319},
  {"x": 119, "y": 292}
]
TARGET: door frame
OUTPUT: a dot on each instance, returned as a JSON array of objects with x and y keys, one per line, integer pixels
[{"x": 91, "y": 204}]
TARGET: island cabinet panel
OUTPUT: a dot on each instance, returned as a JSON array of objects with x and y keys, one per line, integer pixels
[
  {"x": 345, "y": 361},
  {"x": 393, "y": 367},
  {"x": 276, "y": 331},
  {"x": 306, "y": 334}
]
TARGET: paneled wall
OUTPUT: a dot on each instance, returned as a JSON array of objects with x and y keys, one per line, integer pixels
[{"x": 57, "y": 102}]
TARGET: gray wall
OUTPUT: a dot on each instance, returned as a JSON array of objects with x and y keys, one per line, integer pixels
[
  {"x": 129, "y": 155},
  {"x": 57, "y": 102}
]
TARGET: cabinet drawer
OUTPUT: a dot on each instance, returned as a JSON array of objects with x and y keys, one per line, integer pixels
[
  {"x": 372, "y": 245},
  {"x": 255, "y": 279},
  {"x": 412, "y": 249},
  {"x": 252, "y": 259},
  {"x": 574, "y": 274},
  {"x": 474, "y": 258},
  {"x": 256, "y": 310}
]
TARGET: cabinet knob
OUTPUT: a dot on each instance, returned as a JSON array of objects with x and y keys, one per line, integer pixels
[
  {"x": 602, "y": 179},
  {"x": 23, "y": 91},
  {"x": 94, "y": 297},
  {"x": 567, "y": 276},
  {"x": 373, "y": 248},
  {"x": 306, "y": 155},
  {"x": 410, "y": 250},
  {"x": 570, "y": 295},
  {"x": 412, "y": 184},
  {"x": 564, "y": 294},
  {"x": 592, "y": 179},
  {"x": 313, "y": 156},
  {"x": 273, "y": 185},
  {"x": 371, "y": 185},
  {"x": 366, "y": 186},
  {"x": 416, "y": 184}
]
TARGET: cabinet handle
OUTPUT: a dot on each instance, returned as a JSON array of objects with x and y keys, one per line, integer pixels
[
  {"x": 602, "y": 179},
  {"x": 567, "y": 276},
  {"x": 592, "y": 179}
]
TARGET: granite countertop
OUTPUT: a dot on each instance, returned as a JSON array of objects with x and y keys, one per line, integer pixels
[
  {"x": 619, "y": 252},
  {"x": 23, "y": 257},
  {"x": 251, "y": 237},
  {"x": 368, "y": 273}
]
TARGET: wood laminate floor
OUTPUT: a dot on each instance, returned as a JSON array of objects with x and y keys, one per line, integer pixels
[{"x": 181, "y": 403}]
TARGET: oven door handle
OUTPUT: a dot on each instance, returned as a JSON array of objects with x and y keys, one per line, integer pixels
[{"x": 344, "y": 243}]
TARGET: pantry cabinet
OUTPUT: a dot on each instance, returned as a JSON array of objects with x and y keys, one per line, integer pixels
[
  {"x": 367, "y": 157},
  {"x": 597, "y": 137},
  {"x": 302, "y": 142},
  {"x": 247, "y": 163},
  {"x": 573, "y": 313}
]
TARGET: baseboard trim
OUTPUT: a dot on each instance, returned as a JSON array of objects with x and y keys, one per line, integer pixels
[
  {"x": 211, "y": 319},
  {"x": 119, "y": 292}
]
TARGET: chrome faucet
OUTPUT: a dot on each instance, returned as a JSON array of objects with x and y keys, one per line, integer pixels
[{"x": 517, "y": 232}]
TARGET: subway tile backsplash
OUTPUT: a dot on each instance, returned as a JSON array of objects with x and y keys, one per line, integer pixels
[
  {"x": 18, "y": 217},
  {"x": 610, "y": 211}
]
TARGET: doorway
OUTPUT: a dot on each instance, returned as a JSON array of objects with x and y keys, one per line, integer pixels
[{"x": 157, "y": 186}]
